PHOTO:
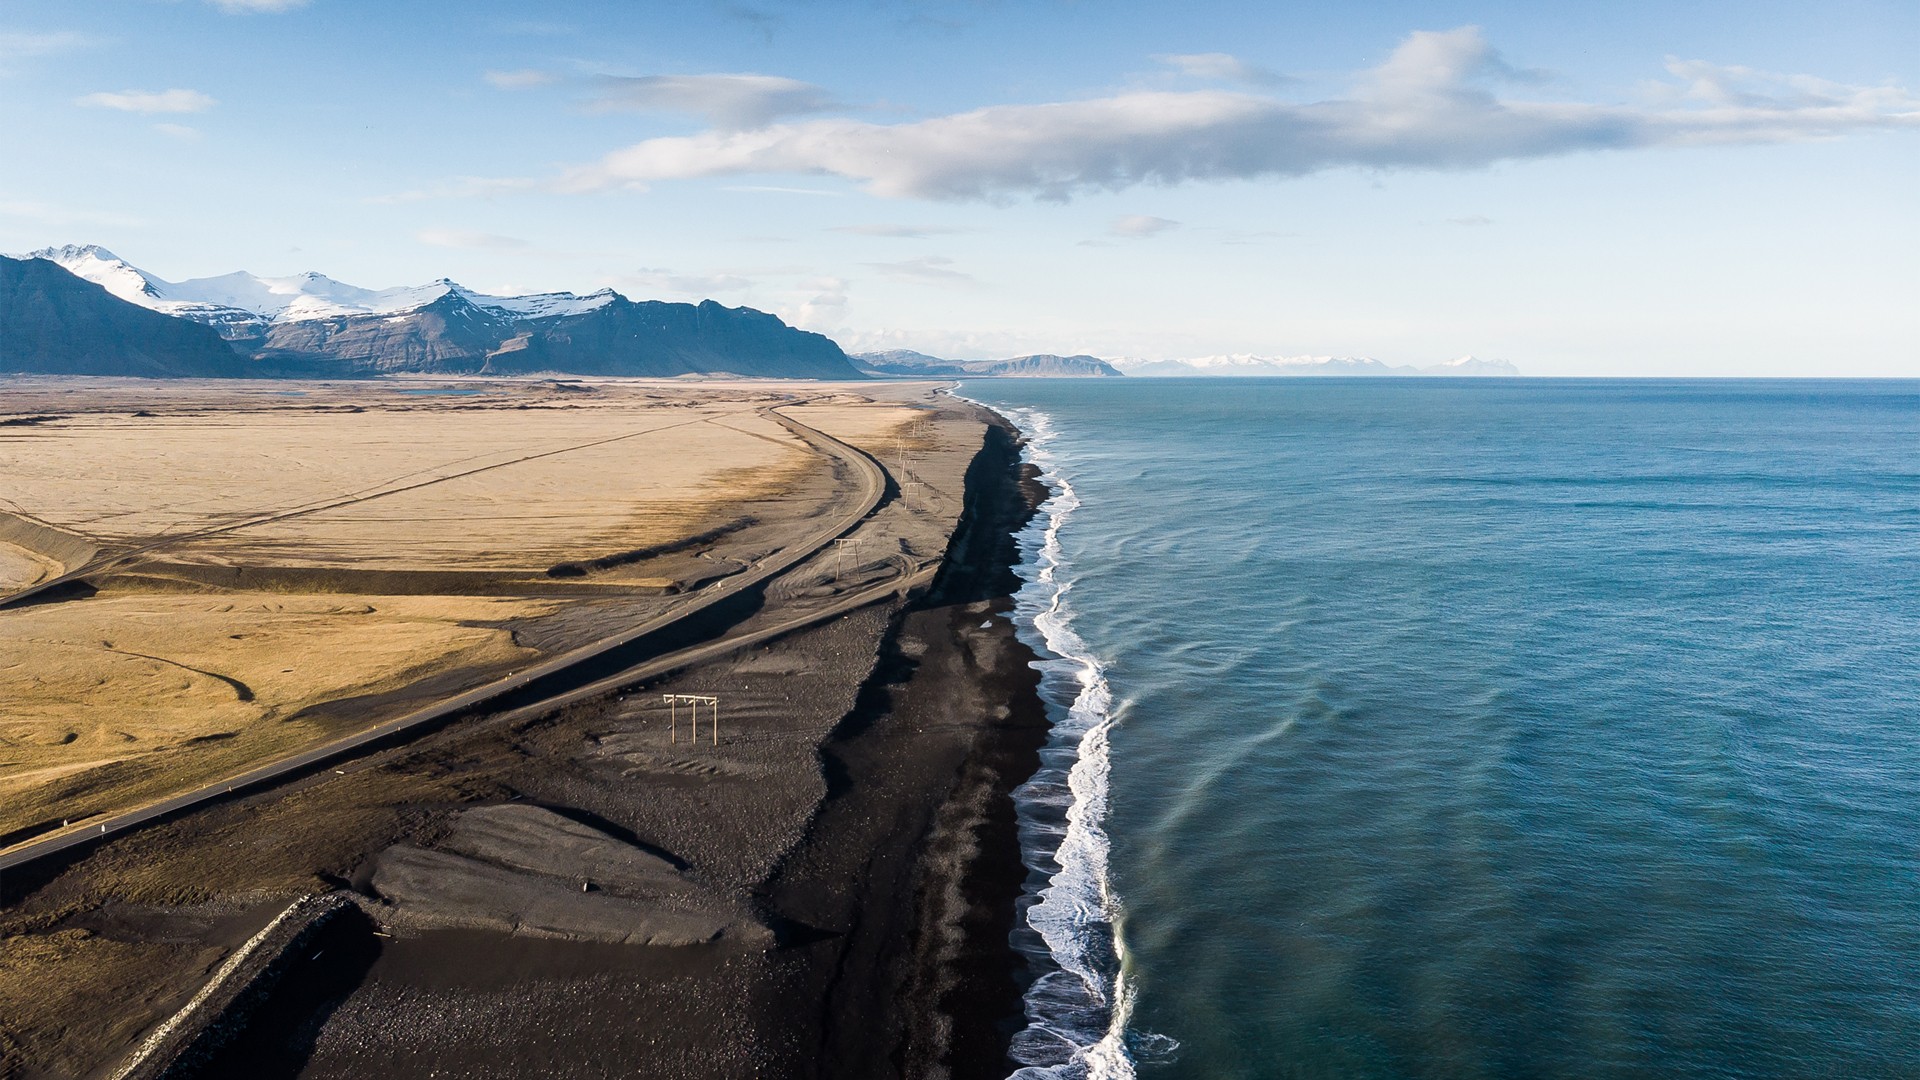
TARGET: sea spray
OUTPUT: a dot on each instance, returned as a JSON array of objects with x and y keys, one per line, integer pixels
[{"x": 1077, "y": 1009}]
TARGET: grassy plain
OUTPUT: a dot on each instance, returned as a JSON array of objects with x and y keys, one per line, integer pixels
[{"x": 290, "y": 561}]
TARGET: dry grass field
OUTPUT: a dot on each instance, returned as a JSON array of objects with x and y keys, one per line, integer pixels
[
  {"x": 20, "y": 567},
  {"x": 288, "y": 547}
]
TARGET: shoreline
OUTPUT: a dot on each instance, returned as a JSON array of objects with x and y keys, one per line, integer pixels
[
  {"x": 941, "y": 974},
  {"x": 891, "y": 897}
]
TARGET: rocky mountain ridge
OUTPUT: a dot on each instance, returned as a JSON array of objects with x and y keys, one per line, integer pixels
[
  {"x": 906, "y": 362},
  {"x": 312, "y": 326}
]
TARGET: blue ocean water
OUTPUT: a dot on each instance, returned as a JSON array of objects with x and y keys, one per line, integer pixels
[{"x": 1435, "y": 728}]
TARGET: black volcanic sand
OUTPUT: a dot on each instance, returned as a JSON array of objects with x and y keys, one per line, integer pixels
[{"x": 856, "y": 812}]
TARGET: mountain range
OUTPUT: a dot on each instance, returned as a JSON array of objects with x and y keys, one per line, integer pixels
[
  {"x": 84, "y": 310},
  {"x": 1245, "y": 364},
  {"x": 310, "y": 325},
  {"x": 906, "y": 362}
]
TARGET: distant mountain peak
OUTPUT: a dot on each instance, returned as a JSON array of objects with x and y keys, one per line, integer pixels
[
  {"x": 1249, "y": 364},
  {"x": 906, "y": 362},
  {"x": 75, "y": 251},
  {"x": 308, "y": 324}
]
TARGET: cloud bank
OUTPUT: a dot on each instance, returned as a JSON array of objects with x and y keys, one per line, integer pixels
[
  {"x": 149, "y": 101},
  {"x": 17, "y": 44},
  {"x": 1429, "y": 106},
  {"x": 1138, "y": 225}
]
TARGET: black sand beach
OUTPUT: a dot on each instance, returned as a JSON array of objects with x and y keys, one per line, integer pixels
[{"x": 844, "y": 862}]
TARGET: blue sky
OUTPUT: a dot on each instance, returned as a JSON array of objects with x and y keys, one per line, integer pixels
[{"x": 1618, "y": 188}]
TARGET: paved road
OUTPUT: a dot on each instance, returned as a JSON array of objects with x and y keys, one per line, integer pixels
[{"x": 873, "y": 482}]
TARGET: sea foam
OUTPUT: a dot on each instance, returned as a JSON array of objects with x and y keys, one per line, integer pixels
[{"x": 1077, "y": 1009}]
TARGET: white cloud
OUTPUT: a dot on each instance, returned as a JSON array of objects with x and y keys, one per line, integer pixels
[
  {"x": 1427, "y": 107},
  {"x": 1141, "y": 225},
  {"x": 522, "y": 79},
  {"x": 149, "y": 101},
  {"x": 178, "y": 131},
  {"x": 1471, "y": 220},
  {"x": 725, "y": 101},
  {"x": 15, "y": 45},
  {"x": 463, "y": 238},
  {"x": 822, "y": 307},
  {"x": 247, "y": 7},
  {"x": 1222, "y": 66}
]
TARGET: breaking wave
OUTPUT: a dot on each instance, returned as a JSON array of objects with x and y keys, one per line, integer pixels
[{"x": 1078, "y": 1008}]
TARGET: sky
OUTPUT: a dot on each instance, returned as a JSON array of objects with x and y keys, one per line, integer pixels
[{"x": 1621, "y": 188}]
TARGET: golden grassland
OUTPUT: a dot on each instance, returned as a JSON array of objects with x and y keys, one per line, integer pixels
[
  {"x": 143, "y": 690},
  {"x": 125, "y": 697},
  {"x": 485, "y": 487},
  {"x": 20, "y": 567}
]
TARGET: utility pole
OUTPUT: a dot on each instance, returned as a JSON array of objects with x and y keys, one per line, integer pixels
[
  {"x": 842, "y": 546},
  {"x": 693, "y": 702}
]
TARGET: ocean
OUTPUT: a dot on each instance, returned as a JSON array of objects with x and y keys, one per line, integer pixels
[{"x": 1461, "y": 728}]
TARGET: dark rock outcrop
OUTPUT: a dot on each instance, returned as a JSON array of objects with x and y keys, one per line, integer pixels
[{"x": 53, "y": 323}]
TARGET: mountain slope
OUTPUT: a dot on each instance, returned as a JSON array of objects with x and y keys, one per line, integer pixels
[
  {"x": 310, "y": 325},
  {"x": 906, "y": 362},
  {"x": 243, "y": 306},
  {"x": 450, "y": 334},
  {"x": 653, "y": 338},
  {"x": 54, "y": 323}
]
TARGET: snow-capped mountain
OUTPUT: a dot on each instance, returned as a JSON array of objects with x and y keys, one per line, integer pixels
[
  {"x": 1248, "y": 364},
  {"x": 311, "y": 326},
  {"x": 242, "y": 305},
  {"x": 1472, "y": 365}
]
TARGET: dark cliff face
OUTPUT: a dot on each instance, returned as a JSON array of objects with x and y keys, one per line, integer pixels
[
  {"x": 652, "y": 338},
  {"x": 450, "y": 335},
  {"x": 54, "y": 323}
]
